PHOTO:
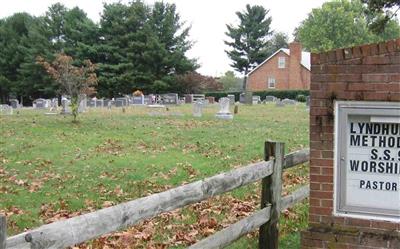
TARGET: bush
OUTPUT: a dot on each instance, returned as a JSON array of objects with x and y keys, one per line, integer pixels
[
  {"x": 301, "y": 98},
  {"x": 281, "y": 94}
]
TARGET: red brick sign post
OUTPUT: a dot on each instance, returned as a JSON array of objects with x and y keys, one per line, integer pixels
[{"x": 355, "y": 148}]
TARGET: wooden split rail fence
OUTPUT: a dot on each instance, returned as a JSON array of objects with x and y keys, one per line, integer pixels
[{"x": 89, "y": 226}]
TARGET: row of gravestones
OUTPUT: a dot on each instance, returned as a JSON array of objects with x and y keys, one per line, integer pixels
[
  {"x": 170, "y": 98},
  {"x": 223, "y": 113},
  {"x": 200, "y": 102},
  {"x": 255, "y": 99},
  {"x": 52, "y": 104},
  {"x": 192, "y": 98}
]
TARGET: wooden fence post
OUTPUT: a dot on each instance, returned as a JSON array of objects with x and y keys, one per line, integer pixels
[
  {"x": 271, "y": 194},
  {"x": 3, "y": 231}
]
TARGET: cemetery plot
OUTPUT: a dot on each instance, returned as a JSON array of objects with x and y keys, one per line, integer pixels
[{"x": 51, "y": 168}]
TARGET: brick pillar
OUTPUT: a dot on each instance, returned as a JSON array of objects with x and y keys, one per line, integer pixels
[{"x": 364, "y": 73}]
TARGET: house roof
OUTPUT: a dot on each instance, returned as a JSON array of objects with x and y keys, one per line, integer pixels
[{"x": 305, "y": 59}]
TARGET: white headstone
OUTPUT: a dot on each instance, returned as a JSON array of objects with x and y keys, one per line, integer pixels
[
  {"x": 6, "y": 110},
  {"x": 224, "y": 112},
  {"x": 82, "y": 103},
  {"x": 270, "y": 98},
  {"x": 198, "y": 109},
  {"x": 66, "y": 106},
  {"x": 279, "y": 103}
]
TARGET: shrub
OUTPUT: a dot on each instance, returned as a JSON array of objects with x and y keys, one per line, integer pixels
[
  {"x": 281, "y": 94},
  {"x": 301, "y": 98}
]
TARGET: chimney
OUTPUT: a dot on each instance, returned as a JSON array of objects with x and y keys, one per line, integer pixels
[
  {"x": 295, "y": 50},
  {"x": 295, "y": 79}
]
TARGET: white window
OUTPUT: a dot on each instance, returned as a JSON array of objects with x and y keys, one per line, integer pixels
[
  {"x": 281, "y": 62},
  {"x": 271, "y": 82}
]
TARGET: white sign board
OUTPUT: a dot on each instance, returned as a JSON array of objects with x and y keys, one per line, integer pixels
[{"x": 367, "y": 160}]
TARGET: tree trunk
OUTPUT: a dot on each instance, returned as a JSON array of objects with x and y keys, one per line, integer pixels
[
  {"x": 245, "y": 80},
  {"x": 74, "y": 108}
]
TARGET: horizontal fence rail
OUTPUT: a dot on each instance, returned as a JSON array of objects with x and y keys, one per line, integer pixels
[
  {"x": 232, "y": 233},
  {"x": 296, "y": 158},
  {"x": 297, "y": 196},
  {"x": 88, "y": 226},
  {"x": 228, "y": 235},
  {"x": 92, "y": 225}
]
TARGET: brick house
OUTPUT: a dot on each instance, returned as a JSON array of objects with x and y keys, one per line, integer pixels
[{"x": 286, "y": 69}]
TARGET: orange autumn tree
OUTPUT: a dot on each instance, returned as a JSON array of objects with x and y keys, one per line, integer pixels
[{"x": 72, "y": 80}]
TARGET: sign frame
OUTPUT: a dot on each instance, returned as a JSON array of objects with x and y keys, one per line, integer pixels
[{"x": 344, "y": 109}]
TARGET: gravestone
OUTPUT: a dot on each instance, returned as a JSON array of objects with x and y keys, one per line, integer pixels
[
  {"x": 82, "y": 106},
  {"x": 121, "y": 102},
  {"x": 188, "y": 98},
  {"x": 231, "y": 98},
  {"x": 289, "y": 101},
  {"x": 256, "y": 100},
  {"x": 138, "y": 100},
  {"x": 6, "y": 110},
  {"x": 91, "y": 103},
  {"x": 308, "y": 103},
  {"x": 148, "y": 99},
  {"x": 211, "y": 100},
  {"x": 198, "y": 109},
  {"x": 99, "y": 103},
  {"x": 246, "y": 98},
  {"x": 66, "y": 106},
  {"x": 39, "y": 103},
  {"x": 242, "y": 98},
  {"x": 156, "y": 106},
  {"x": 224, "y": 112},
  {"x": 170, "y": 99},
  {"x": 355, "y": 149},
  {"x": 14, "y": 103},
  {"x": 107, "y": 103},
  {"x": 279, "y": 103},
  {"x": 270, "y": 99},
  {"x": 197, "y": 97},
  {"x": 53, "y": 105}
]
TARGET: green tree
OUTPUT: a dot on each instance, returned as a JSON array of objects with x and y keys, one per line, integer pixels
[
  {"x": 54, "y": 20},
  {"x": 142, "y": 47},
  {"x": 230, "y": 82},
  {"x": 120, "y": 47},
  {"x": 14, "y": 31},
  {"x": 279, "y": 40},
  {"x": 168, "y": 56},
  {"x": 33, "y": 82},
  {"x": 71, "y": 31},
  {"x": 340, "y": 23},
  {"x": 249, "y": 39},
  {"x": 24, "y": 37},
  {"x": 383, "y": 11}
]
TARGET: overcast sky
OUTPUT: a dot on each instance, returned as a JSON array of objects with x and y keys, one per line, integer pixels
[{"x": 207, "y": 18}]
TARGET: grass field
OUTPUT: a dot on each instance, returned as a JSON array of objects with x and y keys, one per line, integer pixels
[{"x": 51, "y": 169}]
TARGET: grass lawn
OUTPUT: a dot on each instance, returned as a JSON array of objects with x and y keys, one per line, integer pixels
[{"x": 51, "y": 169}]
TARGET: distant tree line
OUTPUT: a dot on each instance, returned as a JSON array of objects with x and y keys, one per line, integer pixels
[{"x": 134, "y": 46}]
